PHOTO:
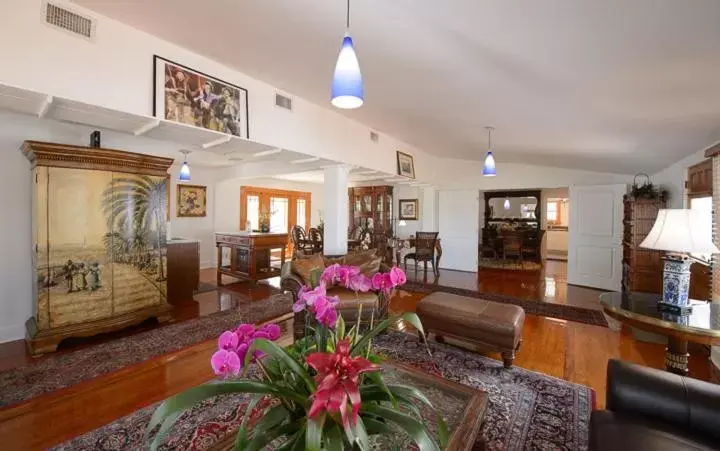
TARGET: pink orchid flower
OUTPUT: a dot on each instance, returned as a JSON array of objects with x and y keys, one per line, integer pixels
[
  {"x": 325, "y": 312},
  {"x": 307, "y": 297},
  {"x": 225, "y": 363},
  {"x": 382, "y": 282},
  {"x": 269, "y": 332},
  {"x": 330, "y": 275},
  {"x": 345, "y": 273},
  {"x": 228, "y": 341},
  {"x": 359, "y": 283},
  {"x": 397, "y": 276}
]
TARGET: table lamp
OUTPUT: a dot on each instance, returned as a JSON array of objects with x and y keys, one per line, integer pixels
[{"x": 679, "y": 232}]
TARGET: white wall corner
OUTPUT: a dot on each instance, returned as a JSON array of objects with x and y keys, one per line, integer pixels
[{"x": 10, "y": 333}]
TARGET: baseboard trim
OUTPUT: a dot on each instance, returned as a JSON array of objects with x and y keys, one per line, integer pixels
[
  {"x": 208, "y": 264},
  {"x": 12, "y": 333}
]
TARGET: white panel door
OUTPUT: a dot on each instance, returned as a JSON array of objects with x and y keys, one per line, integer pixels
[
  {"x": 458, "y": 226},
  {"x": 595, "y": 248}
]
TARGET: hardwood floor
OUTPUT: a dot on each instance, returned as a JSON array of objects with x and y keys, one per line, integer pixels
[{"x": 571, "y": 351}]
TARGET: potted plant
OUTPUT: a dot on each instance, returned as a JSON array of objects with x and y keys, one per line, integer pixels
[{"x": 326, "y": 391}]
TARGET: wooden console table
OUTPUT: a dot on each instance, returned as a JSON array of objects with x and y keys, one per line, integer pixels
[{"x": 249, "y": 255}]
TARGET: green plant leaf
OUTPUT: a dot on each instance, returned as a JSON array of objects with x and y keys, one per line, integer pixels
[
  {"x": 164, "y": 429},
  {"x": 334, "y": 438},
  {"x": 241, "y": 440},
  {"x": 414, "y": 428},
  {"x": 443, "y": 432},
  {"x": 410, "y": 317},
  {"x": 268, "y": 428},
  {"x": 315, "y": 277},
  {"x": 283, "y": 356},
  {"x": 377, "y": 378},
  {"x": 340, "y": 328},
  {"x": 188, "y": 398},
  {"x": 361, "y": 436},
  {"x": 375, "y": 426},
  {"x": 313, "y": 436}
]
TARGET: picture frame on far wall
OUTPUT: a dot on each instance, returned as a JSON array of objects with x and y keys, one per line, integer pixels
[
  {"x": 408, "y": 209},
  {"x": 191, "y": 97},
  {"x": 191, "y": 201},
  {"x": 406, "y": 166}
]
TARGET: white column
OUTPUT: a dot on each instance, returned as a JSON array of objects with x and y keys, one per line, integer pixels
[
  {"x": 336, "y": 210},
  {"x": 428, "y": 210}
]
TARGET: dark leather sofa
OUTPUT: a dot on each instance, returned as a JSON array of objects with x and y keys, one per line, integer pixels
[{"x": 649, "y": 409}]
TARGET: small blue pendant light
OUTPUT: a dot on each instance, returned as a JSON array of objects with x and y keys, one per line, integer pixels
[
  {"x": 347, "y": 88},
  {"x": 489, "y": 166},
  {"x": 184, "y": 169}
]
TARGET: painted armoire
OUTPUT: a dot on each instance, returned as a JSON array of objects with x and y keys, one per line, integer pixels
[{"x": 99, "y": 240}]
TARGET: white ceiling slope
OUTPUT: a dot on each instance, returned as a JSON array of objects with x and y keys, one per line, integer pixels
[{"x": 612, "y": 85}]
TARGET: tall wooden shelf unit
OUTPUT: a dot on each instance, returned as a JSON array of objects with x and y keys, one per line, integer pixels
[
  {"x": 372, "y": 206},
  {"x": 642, "y": 268}
]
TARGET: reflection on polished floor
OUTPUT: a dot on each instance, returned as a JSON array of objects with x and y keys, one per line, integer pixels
[
  {"x": 549, "y": 284},
  {"x": 572, "y": 351}
]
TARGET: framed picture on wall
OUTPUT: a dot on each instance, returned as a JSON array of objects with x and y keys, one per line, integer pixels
[
  {"x": 408, "y": 209},
  {"x": 191, "y": 201},
  {"x": 406, "y": 166},
  {"x": 191, "y": 97}
]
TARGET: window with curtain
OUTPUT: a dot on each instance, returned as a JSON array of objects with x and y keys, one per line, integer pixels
[
  {"x": 278, "y": 215},
  {"x": 553, "y": 212},
  {"x": 300, "y": 211},
  {"x": 253, "y": 212}
]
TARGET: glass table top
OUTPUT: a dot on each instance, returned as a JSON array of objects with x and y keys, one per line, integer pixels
[{"x": 704, "y": 319}]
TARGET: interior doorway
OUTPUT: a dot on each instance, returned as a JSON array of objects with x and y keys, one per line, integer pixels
[{"x": 278, "y": 210}]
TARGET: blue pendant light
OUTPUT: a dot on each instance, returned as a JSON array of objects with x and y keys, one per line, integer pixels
[
  {"x": 347, "y": 88},
  {"x": 184, "y": 169},
  {"x": 489, "y": 166}
]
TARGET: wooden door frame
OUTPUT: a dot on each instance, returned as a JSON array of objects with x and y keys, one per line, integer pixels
[{"x": 264, "y": 194}]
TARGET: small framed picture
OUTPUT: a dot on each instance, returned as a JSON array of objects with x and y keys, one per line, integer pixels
[
  {"x": 191, "y": 201},
  {"x": 406, "y": 166},
  {"x": 408, "y": 209},
  {"x": 191, "y": 97}
]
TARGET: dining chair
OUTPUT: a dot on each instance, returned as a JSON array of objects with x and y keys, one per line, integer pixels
[
  {"x": 316, "y": 239},
  {"x": 300, "y": 241},
  {"x": 512, "y": 246},
  {"x": 424, "y": 251}
]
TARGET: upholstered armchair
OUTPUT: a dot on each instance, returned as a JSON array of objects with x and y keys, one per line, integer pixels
[{"x": 373, "y": 305}]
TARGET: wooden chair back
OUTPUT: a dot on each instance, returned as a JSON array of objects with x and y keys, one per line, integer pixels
[{"x": 425, "y": 243}]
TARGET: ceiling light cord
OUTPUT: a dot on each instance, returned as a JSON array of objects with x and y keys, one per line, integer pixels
[{"x": 347, "y": 18}]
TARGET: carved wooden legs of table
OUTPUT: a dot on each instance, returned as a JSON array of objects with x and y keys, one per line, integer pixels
[{"x": 676, "y": 356}]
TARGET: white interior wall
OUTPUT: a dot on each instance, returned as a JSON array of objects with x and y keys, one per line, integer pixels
[
  {"x": 202, "y": 229},
  {"x": 115, "y": 71},
  {"x": 227, "y": 199},
  {"x": 15, "y": 223}
]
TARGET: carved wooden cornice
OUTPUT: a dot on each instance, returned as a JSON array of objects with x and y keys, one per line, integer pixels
[
  {"x": 81, "y": 157},
  {"x": 712, "y": 151}
]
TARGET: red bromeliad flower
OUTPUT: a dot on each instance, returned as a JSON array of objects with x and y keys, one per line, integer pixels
[{"x": 338, "y": 380}]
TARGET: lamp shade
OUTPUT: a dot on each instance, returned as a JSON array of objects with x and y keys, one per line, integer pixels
[
  {"x": 681, "y": 231},
  {"x": 402, "y": 223},
  {"x": 184, "y": 172},
  {"x": 489, "y": 166},
  {"x": 347, "y": 87}
]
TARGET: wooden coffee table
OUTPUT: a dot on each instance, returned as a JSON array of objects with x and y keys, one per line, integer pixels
[{"x": 462, "y": 407}]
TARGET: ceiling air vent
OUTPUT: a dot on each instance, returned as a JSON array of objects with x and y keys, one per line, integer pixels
[
  {"x": 68, "y": 20},
  {"x": 283, "y": 101},
  {"x": 374, "y": 137}
]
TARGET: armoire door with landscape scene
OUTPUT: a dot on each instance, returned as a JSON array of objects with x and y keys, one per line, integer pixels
[
  {"x": 274, "y": 211},
  {"x": 100, "y": 244}
]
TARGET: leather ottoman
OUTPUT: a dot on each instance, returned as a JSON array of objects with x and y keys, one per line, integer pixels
[{"x": 492, "y": 326}]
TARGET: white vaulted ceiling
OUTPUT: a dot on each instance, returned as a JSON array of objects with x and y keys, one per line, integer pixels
[{"x": 611, "y": 85}]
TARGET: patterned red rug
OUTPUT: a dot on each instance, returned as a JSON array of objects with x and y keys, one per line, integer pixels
[
  {"x": 539, "y": 308},
  {"x": 65, "y": 370},
  {"x": 526, "y": 410}
]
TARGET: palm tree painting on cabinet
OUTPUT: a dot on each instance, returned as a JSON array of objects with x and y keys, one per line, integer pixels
[{"x": 101, "y": 247}]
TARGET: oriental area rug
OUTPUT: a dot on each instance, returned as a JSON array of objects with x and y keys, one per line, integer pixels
[
  {"x": 65, "y": 370},
  {"x": 560, "y": 311},
  {"x": 526, "y": 410}
]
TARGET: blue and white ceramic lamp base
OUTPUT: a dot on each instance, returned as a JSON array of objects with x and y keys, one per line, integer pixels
[{"x": 676, "y": 284}]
